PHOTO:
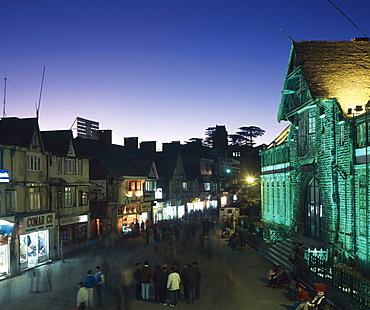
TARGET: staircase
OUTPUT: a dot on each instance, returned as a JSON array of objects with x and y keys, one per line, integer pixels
[{"x": 278, "y": 254}]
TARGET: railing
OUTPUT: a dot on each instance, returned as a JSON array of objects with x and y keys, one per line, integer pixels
[{"x": 355, "y": 287}]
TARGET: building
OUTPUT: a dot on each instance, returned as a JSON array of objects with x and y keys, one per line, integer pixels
[{"x": 315, "y": 175}]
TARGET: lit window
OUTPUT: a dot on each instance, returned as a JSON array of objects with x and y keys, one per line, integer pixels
[
  {"x": 362, "y": 196},
  {"x": 207, "y": 186},
  {"x": 307, "y": 133},
  {"x": 150, "y": 185},
  {"x": 34, "y": 198},
  {"x": 83, "y": 198},
  {"x": 68, "y": 197},
  {"x": 134, "y": 186},
  {"x": 341, "y": 141}
]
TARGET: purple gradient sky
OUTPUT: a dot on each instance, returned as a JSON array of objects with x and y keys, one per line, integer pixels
[{"x": 160, "y": 70}]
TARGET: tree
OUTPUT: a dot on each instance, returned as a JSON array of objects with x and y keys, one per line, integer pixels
[
  {"x": 235, "y": 139},
  {"x": 208, "y": 141},
  {"x": 248, "y": 133}
]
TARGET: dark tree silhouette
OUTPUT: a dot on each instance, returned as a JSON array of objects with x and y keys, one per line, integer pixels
[
  {"x": 235, "y": 139},
  {"x": 248, "y": 133},
  {"x": 208, "y": 141}
]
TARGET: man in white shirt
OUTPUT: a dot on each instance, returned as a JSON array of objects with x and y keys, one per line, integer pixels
[
  {"x": 81, "y": 296},
  {"x": 173, "y": 285}
]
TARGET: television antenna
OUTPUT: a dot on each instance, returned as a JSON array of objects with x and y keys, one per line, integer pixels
[
  {"x": 42, "y": 85},
  {"x": 283, "y": 32},
  {"x": 332, "y": 3}
]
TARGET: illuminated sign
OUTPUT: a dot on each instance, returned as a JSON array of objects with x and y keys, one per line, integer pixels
[
  {"x": 4, "y": 176},
  {"x": 38, "y": 222},
  {"x": 73, "y": 220}
]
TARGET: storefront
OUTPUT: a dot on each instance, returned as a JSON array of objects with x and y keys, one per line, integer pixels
[
  {"x": 73, "y": 231},
  {"x": 34, "y": 236},
  {"x": 6, "y": 231}
]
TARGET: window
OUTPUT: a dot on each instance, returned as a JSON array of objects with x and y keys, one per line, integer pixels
[
  {"x": 68, "y": 197},
  {"x": 362, "y": 196},
  {"x": 59, "y": 165},
  {"x": 134, "y": 186},
  {"x": 70, "y": 165},
  {"x": 83, "y": 198},
  {"x": 307, "y": 133},
  {"x": 79, "y": 166},
  {"x": 33, "y": 162},
  {"x": 34, "y": 198},
  {"x": 207, "y": 186},
  {"x": 361, "y": 134},
  {"x": 184, "y": 186},
  {"x": 150, "y": 185},
  {"x": 341, "y": 141},
  {"x": 59, "y": 200}
]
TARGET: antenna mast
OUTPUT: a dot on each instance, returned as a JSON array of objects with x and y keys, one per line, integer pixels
[
  {"x": 42, "y": 85},
  {"x": 283, "y": 32},
  {"x": 4, "y": 114},
  {"x": 331, "y": 2}
]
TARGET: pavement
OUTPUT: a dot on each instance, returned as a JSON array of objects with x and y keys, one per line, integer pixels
[{"x": 232, "y": 279}]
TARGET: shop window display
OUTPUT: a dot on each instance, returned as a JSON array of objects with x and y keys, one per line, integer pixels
[{"x": 33, "y": 248}]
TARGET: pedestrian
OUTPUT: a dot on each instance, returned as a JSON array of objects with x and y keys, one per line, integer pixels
[
  {"x": 49, "y": 274},
  {"x": 37, "y": 280},
  {"x": 158, "y": 270},
  {"x": 61, "y": 247},
  {"x": 197, "y": 285},
  {"x": 176, "y": 266},
  {"x": 173, "y": 285},
  {"x": 99, "y": 279},
  {"x": 162, "y": 286},
  {"x": 105, "y": 266},
  {"x": 146, "y": 275},
  {"x": 137, "y": 280},
  {"x": 89, "y": 286},
  {"x": 31, "y": 277},
  {"x": 183, "y": 277},
  {"x": 150, "y": 235},
  {"x": 125, "y": 285},
  {"x": 191, "y": 279},
  {"x": 81, "y": 296}
]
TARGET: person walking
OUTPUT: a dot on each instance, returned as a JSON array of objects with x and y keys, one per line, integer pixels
[
  {"x": 173, "y": 285},
  {"x": 49, "y": 274},
  {"x": 81, "y": 296},
  {"x": 61, "y": 247},
  {"x": 89, "y": 286},
  {"x": 31, "y": 277},
  {"x": 197, "y": 285},
  {"x": 183, "y": 277},
  {"x": 99, "y": 279},
  {"x": 137, "y": 279},
  {"x": 146, "y": 275},
  {"x": 37, "y": 280}
]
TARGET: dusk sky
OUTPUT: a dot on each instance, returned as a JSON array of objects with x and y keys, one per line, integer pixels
[{"x": 160, "y": 70}]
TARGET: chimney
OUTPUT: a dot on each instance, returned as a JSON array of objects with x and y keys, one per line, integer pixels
[
  {"x": 148, "y": 146},
  {"x": 132, "y": 142},
  {"x": 105, "y": 136}
]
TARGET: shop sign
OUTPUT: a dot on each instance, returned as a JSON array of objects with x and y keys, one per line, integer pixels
[
  {"x": 11, "y": 200},
  {"x": 4, "y": 176},
  {"x": 73, "y": 220},
  {"x": 38, "y": 222},
  {"x": 146, "y": 207}
]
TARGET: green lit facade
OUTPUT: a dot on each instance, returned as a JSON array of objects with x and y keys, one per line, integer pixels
[{"x": 315, "y": 175}]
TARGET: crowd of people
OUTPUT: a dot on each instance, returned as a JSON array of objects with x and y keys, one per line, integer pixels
[{"x": 168, "y": 282}]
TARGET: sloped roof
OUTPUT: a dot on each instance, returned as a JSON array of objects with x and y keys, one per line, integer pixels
[
  {"x": 336, "y": 69},
  {"x": 281, "y": 138},
  {"x": 115, "y": 158},
  {"x": 17, "y": 131},
  {"x": 57, "y": 141}
]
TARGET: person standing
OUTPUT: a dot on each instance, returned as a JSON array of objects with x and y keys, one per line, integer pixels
[
  {"x": 99, "y": 279},
  {"x": 31, "y": 277},
  {"x": 137, "y": 279},
  {"x": 49, "y": 274},
  {"x": 183, "y": 279},
  {"x": 176, "y": 266},
  {"x": 61, "y": 247},
  {"x": 173, "y": 285},
  {"x": 81, "y": 296},
  {"x": 162, "y": 286},
  {"x": 89, "y": 286},
  {"x": 37, "y": 280},
  {"x": 191, "y": 279},
  {"x": 146, "y": 275},
  {"x": 197, "y": 285}
]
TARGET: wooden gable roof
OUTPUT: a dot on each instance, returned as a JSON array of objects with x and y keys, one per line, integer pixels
[{"x": 334, "y": 69}]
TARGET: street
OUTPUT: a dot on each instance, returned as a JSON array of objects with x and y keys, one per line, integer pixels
[{"x": 231, "y": 279}]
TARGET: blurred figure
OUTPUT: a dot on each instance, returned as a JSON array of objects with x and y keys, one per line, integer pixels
[
  {"x": 124, "y": 287},
  {"x": 137, "y": 279},
  {"x": 99, "y": 279},
  {"x": 199, "y": 279},
  {"x": 49, "y": 274},
  {"x": 162, "y": 286},
  {"x": 81, "y": 296}
]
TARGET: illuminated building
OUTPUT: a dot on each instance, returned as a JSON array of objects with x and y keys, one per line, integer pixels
[{"x": 315, "y": 174}]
